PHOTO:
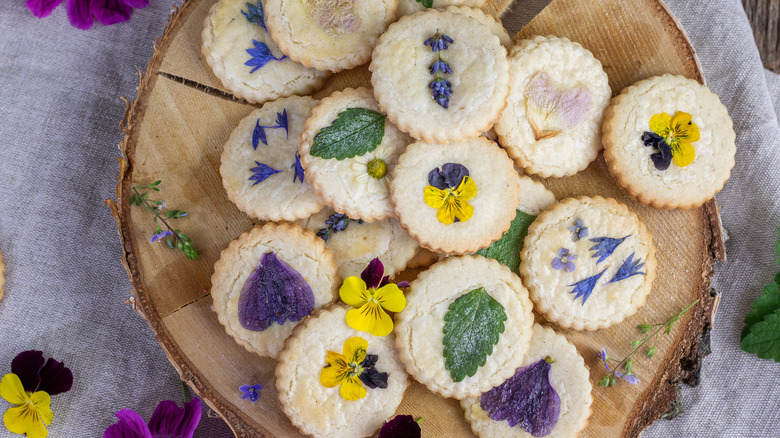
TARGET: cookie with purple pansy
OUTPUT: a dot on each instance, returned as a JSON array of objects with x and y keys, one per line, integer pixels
[
  {"x": 267, "y": 280},
  {"x": 549, "y": 394},
  {"x": 260, "y": 165},
  {"x": 589, "y": 263},
  {"x": 551, "y": 123}
]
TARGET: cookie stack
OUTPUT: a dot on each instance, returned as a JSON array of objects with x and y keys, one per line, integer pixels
[{"x": 362, "y": 184}]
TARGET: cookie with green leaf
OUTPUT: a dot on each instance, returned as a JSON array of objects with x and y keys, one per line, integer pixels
[
  {"x": 348, "y": 149},
  {"x": 466, "y": 326}
]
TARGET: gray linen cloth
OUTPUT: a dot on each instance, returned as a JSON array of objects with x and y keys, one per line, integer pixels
[{"x": 59, "y": 127}]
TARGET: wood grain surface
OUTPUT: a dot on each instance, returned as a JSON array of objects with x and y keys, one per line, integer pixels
[
  {"x": 764, "y": 18},
  {"x": 175, "y": 131}
]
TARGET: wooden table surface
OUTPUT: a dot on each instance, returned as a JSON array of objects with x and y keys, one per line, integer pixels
[{"x": 764, "y": 17}]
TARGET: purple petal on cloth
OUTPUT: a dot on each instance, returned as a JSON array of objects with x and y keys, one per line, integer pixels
[
  {"x": 55, "y": 377},
  {"x": 130, "y": 425},
  {"x": 79, "y": 13},
  {"x": 27, "y": 365},
  {"x": 402, "y": 426},
  {"x": 372, "y": 275},
  {"x": 42, "y": 8},
  {"x": 527, "y": 398},
  {"x": 274, "y": 292},
  {"x": 109, "y": 12},
  {"x": 169, "y": 420},
  {"x": 138, "y": 4}
]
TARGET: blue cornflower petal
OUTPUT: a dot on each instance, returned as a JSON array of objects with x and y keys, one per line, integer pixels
[
  {"x": 584, "y": 288},
  {"x": 298, "y": 172},
  {"x": 258, "y": 135},
  {"x": 629, "y": 268},
  {"x": 255, "y": 14},
  {"x": 281, "y": 122},
  {"x": 261, "y": 172},
  {"x": 261, "y": 55},
  {"x": 605, "y": 246}
]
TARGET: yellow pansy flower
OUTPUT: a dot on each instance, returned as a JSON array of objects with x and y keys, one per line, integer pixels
[
  {"x": 372, "y": 294},
  {"x": 344, "y": 370},
  {"x": 451, "y": 202},
  {"x": 679, "y": 132},
  {"x": 33, "y": 411}
]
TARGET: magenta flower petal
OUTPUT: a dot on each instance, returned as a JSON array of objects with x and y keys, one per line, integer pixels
[
  {"x": 372, "y": 275},
  {"x": 42, "y": 8},
  {"x": 27, "y": 365},
  {"x": 171, "y": 420},
  {"x": 130, "y": 425},
  {"x": 79, "y": 13},
  {"x": 138, "y": 4},
  {"x": 55, "y": 377},
  {"x": 109, "y": 12}
]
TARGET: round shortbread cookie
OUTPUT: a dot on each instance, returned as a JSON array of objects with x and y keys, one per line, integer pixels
[
  {"x": 354, "y": 246},
  {"x": 534, "y": 196},
  {"x": 474, "y": 12},
  {"x": 493, "y": 205},
  {"x": 409, "y": 7},
  {"x": 281, "y": 195},
  {"x": 419, "y": 327},
  {"x": 473, "y": 84},
  {"x": 329, "y": 34},
  {"x": 558, "y": 93},
  {"x": 588, "y": 262},
  {"x": 626, "y": 122},
  {"x": 231, "y": 29},
  {"x": 568, "y": 376},
  {"x": 347, "y": 185},
  {"x": 322, "y": 412},
  {"x": 295, "y": 247}
]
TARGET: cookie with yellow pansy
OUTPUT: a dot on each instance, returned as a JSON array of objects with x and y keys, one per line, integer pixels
[{"x": 669, "y": 142}]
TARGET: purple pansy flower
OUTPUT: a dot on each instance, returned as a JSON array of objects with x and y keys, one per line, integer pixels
[
  {"x": 401, "y": 426},
  {"x": 578, "y": 230},
  {"x": 83, "y": 13},
  {"x": 37, "y": 374},
  {"x": 252, "y": 392},
  {"x": 168, "y": 420},
  {"x": 564, "y": 261},
  {"x": 373, "y": 275}
]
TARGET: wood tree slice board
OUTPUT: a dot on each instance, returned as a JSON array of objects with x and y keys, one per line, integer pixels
[{"x": 175, "y": 131}]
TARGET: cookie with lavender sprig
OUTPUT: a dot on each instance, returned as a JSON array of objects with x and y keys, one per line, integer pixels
[
  {"x": 440, "y": 76},
  {"x": 669, "y": 142},
  {"x": 242, "y": 55},
  {"x": 348, "y": 149},
  {"x": 551, "y": 123},
  {"x": 260, "y": 165},
  {"x": 549, "y": 395},
  {"x": 589, "y": 263}
]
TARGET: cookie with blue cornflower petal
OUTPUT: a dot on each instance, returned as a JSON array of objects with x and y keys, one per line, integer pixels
[
  {"x": 588, "y": 262},
  {"x": 440, "y": 76},
  {"x": 268, "y": 280},
  {"x": 466, "y": 326},
  {"x": 348, "y": 149},
  {"x": 549, "y": 395},
  {"x": 327, "y": 34},
  {"x": 669, "y": 142},
  {"x": 242, "y": 55},
  {"x": 335, "y": 381},
  {"x": 260, "y": 164},
  {"x": 551, "y": 123}
]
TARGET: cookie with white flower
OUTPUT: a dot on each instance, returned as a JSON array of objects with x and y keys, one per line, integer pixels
[
  {"x": 440, "y": 76},
  {"x": 348, "y": 149},
  {"x": 242, "y": 55},
  {"x": 260, "y": 164},
  {"x": 466, "y": 326},
  {"x": 553, "y": 114},
  {"x": 326, "y": 34},
  {"x": 455, "y": 198},
  {"x": 549, "y": 395},
  {"x": 589, "y": 263},
  {"x": 669, "y": 142},
  {"x": 336, "y": 381},
  {"x": 354, "y": 243},
  {"x": 267, "y": 280}
]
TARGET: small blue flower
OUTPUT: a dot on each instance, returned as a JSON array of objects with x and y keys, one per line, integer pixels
[
  {"x": 605, "y": 246},
  {"x": 261, "y": 55},
  {"x": 604, "y": 357},
  {"x": 251, "y": 392},
  {"x": 258, "y": 135},
  {"x": 578, "y": 230},
  {"x": 629, "y": 268},
  {"x": 441, "y": 66},
  {"x": 255, "y": 14},
  {"x": 261, "y": 172},
  {"x": 584, "y": 288},
  {"x": 281, "y": 122},
  {"x": 564, "y": 261},
  {"x": 438, "y": 42},
  {"x": 159, "y": 235},
  {"x": 628, "y": 377},
  {"x": 442, "y": 90},
  {"x": 298, "y": 173}
]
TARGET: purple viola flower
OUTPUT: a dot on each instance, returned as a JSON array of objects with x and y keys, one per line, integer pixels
[
  {"x": 565, "y": 261},
  {"x": 449, "y": 177},
  {"x": 373, "y": 275},
  {"x": 251, "y": 392},
  {"x": 578, "y": 230},
  {"x": 298, "y": 169},
  {"x": 168, "y": 420},
  {"x": 401, "y": 426},
  {"x": 37, "y": 374},
  {"x": 663, "y": 158},
  {"x": 83, "y": 13}
]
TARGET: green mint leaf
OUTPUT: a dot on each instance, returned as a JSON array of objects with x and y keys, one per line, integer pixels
[
  {"x": 764, "y": 305},
  {"x": 507, "y": 249},
  {"x": 777, "y": 248},
  {"x": 356, "y": 131},
  {"x": 426, "y": 3},
  {"x": 764, "y": 338},
  {"x": 471, "y": 328}
]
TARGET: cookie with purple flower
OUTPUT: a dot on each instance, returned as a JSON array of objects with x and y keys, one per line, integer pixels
[
  {"x": 440, "y": 76},
  {"x": 549, "y": 394},
  {"x": 242, "y": 55},
  {"x": 267, "y": 280},
  {"x": 589, "y": 263},
  {"x": 260, "y": 165}
]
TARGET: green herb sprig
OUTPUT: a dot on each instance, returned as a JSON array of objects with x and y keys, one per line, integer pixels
[
  {"x": 761, "y": 335},
  {"x": 175, "y": 239}
]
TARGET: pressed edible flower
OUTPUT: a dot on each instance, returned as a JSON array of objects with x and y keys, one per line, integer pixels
[
  {"x": 673, "y": 137},
  {"x": 335, "y": 223},
  {"x": 565, "y": 261},
  {"x": 401, "y": 426},
  {"x": 261, "y": 55},
  {"x": 258, "y": 134},
  {"x": 83, "y": 13},
  {"x": 254, "y": 14},
  {"x": 168, "y": 420},
  {"x": 605, "y": 246},
  {"x": 448, "y": 192},
  {"x": 371, "y": 169},
  {"x": 261, "y": 172},
  {"x": 551, "y": 110},
  {"x": 352, "y": 369},
  {"x": 372, "y": 294},
  {"x": 578, "y": 230},
  {"x": 298, "y": 173},
  {"x": 252, "y": 392},
  {"x": 441, "y": 88},
  {"x": 629, "y": 268},
  {"x": 628, "y": 376},
  {"x": 584, "y": 288}
]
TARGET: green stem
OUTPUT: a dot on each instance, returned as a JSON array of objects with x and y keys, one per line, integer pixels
[
  {"x": 157, "y": 215},
  {"x": 184, "y": 391}
]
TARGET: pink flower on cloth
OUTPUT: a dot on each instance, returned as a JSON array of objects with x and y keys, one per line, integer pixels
[{"x": 82, "y": 13}]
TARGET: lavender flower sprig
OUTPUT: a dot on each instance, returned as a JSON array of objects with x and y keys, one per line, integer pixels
[
  {"x": 442, "y": 88},
  {"x": 173, "y": 238},
  {"x": 628, "y": 361}
]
